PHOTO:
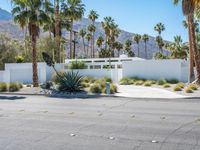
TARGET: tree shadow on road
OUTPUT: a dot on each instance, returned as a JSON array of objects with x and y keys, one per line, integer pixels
[{"x": 11, "y": 98}]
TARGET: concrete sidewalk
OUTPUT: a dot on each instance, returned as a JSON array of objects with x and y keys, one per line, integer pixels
[{"x": 132, "y": 91}]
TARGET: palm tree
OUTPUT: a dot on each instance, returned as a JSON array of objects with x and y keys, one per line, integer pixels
[
  {"x": 137, "y": 39},
  {"x": 88, "y": 38},
  {"x": 114, "y": 34},
  {"x": 188, "y": 10},
  {"x": 145, "y": 38},
  {"x": 73, "y": 10},
  {"x": 57, "y": 27},
  {"x": 119, "y": 47},
  {"x": 93, "y": 16},
  {"x": 99, "y": 42},
  {"x": 159, "y": 28},
  {"x": 106, "y": 26},
  {"x": 127, "y": 47},
  {"x": 83, "y": 33},
  {"x": 196, "y": 24},
  {"x": 178, "y": 49},
  {"x": 160, "y": 43},
  {"x": 92, "y": 29},
  {"x": 33, "y": 15}
]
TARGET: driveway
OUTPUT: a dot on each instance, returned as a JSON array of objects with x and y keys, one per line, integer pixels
[
  {"x": 132, "y": 91},
  {"x": 41, "y": 123}
]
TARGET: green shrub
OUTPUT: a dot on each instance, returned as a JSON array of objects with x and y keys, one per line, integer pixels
[
  {"x": 181, "y": 85},
  {"x": 13, "y": 87},
  {"x": 160, "y": 55},
  {"x": 20, "y": 85},
  {"x": 139, "y": 82},
  {"x": 85, "y": 85},
  {"x": 148, "y": 83},
  {"x": 3, "y": 87},
  {"x": 77, "y": 65},
  {"x": 135, "y": 79},
  {"x": 153, "y": 81},
  {"x": 177, "y": 88},
  {"x": 172, "y": 81},
  {"x": 106, "y": 79},
  {"x": 55, "y": 77},
  {"x": 189, "y": 90},
  {"x": 28, "y": 85},
  {"x": 193, "y": 86},
  {"x": 70, "y": 82},
  {"x": 126, "y": 81},
  {"x": 113, "y": 89},
  {"x": 19, "y": 59},
  {"x": 95, "y": 88},
  {"x": 161, "y": 82},
  {"x": 88, "y": 79},
  {"x": 166, "y": 85}
]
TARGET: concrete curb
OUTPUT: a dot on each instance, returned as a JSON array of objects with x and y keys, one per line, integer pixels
[
  {"x": 28, "y": 94},
  {"x": 91, "y": 96}
]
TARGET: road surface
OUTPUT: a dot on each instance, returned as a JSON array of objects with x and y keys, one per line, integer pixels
[{"x": 101, "y": 123}]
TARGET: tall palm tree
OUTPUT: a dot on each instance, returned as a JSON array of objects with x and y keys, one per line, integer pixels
[
  {"x": 160, "y": 43},
  {"x": 160, "y": 27},
  {"x": 83, "y": 33},
  {"x": 93, "y": 16},
  {"x": 178, "y": 49},
  {"x": 99, "y": 42},
  {"x": 57, "y": 27},
  {"x": 145, "y": 38},
  {"x": 114, "y": 34},
  {"x": 88, "y": 38},
  {"x": 119, "y": 47},
  {"x": 106, "y": 24},
  {"x": 128, "y": 47},
  {"x": 189, "y": 7},
  {"x": 92, "y": 29},
  {"x": 137, "y": 39},
  {"x": 32, "y": 14},
  {"x": 73, "y": 10}
]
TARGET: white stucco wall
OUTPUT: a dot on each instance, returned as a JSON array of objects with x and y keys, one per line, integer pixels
[
  {"x": 23, "y": 72},
  {"x": 148, "y": 69},
  {"x": 1, "y": 76},
  {"x": 98, "y": 73},
  {"x": 156, "y": 69}
]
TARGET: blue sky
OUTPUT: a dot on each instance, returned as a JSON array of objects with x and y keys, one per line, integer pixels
[{"x": 137, "y": 16}]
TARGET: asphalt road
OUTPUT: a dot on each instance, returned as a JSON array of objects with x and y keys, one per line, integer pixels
[{"x": 40, "y": 123}]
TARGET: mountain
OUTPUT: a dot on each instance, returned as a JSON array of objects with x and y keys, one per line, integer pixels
[
  {"x": 4, "y": 15},
  {"x": 10, "y": 29}
]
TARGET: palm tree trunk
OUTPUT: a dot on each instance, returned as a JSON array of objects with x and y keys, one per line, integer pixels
[
  {"x": 146, "y": 50},
  {"x": 84, "y": 45},
  {"x": 57, "y": 29},
  {"x": 196, "y": 55},
  {"x": 34, "y": 53},
  {"x": 118, "y": 52},
  {"x": 88, "y": 49},
  {"x": 191, "y": 47},
  {"x": 71, "y": 30},
  {"x": 91, "y": 54},
  {"x": 138, "y": 51},
  {"x": 93, "y": 45},
  {"x": 106, "y": 43}
]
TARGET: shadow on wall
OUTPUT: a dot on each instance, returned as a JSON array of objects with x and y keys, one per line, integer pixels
[{"x": 12, "y": 98}]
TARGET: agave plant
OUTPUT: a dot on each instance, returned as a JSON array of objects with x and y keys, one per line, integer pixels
[
  {"x": 67, "y": 82},
  {"x": 70, "y": 82}
]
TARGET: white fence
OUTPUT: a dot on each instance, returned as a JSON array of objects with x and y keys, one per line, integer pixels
[
  {"x": 148, "y": 69},
  {"x": 157, "y": 69}
]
